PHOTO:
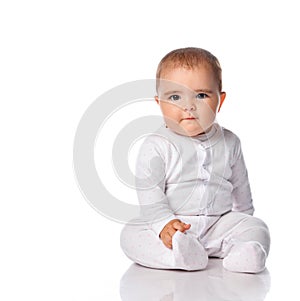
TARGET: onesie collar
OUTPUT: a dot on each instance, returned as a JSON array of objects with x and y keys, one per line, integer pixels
[
  {"x": 205, "y": 140},
  {"x": 211, "y": 137}
]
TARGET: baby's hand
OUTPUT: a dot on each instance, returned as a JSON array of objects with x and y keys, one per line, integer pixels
[{"x": 170, "y": 229}]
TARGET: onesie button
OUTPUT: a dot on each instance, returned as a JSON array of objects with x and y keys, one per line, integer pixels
[{"x": 205, "y": 167}]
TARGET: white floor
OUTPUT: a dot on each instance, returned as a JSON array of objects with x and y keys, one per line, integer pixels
[{"x": 214, "y": 283}]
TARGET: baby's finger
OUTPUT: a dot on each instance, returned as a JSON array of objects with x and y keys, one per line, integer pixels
[
  {"x": 171, "y": 232},
  {"x": 187, "y": 226},
  {"x": 167, "y": 240},
  {"x": 181, "y": 226}
]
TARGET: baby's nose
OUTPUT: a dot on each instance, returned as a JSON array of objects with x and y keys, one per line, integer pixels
[{"x": 189, "y": 105}]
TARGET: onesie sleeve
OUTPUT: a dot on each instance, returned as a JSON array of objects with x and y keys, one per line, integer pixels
[
  {"x": 242, "y": 199},
  {"x": 150, "y": 185}
]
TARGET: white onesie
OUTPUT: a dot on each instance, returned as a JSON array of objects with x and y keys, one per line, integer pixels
[{"x": 200, "y": 180}]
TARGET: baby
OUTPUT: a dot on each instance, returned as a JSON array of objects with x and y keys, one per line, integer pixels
[{"x": 192, "y": 182}]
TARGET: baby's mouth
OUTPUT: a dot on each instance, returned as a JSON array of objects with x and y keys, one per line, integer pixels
[{"x": 189, "y": 118}]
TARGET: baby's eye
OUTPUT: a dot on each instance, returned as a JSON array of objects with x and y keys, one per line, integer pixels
[
  {"x": 202, "y": 96},
  {"x": 174, "y": 97}
]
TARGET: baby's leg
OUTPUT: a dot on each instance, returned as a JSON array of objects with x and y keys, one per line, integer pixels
[
  {"x": 246, "y": 257},
  {"x": 143, "y": 246},
  {"x": 188, "y": 252},
  {"x": 246, "y": 242},
  {"x": 248, "y": 247}
]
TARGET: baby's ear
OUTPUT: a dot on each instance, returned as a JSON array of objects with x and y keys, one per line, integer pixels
[
  {"x": 156, "y": 99},
  {"x": 222, "y": 98}
]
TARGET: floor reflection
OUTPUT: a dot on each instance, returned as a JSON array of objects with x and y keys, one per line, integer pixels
[{"x": 213, "y": 284}]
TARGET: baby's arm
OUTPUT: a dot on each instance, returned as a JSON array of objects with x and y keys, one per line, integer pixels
[
  {"x": 170, "y": 229},
  {"x": 150, "y": 184},
  {"x": 241, "y": 187}
]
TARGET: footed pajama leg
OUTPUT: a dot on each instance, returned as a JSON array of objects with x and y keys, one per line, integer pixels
[{"x": 142, "y": 246}]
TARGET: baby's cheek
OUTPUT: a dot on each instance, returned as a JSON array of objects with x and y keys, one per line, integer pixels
[{"x": 206, "y": 116}]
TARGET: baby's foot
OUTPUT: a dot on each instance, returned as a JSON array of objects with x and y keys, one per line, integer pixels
[
  {"x": 188, "y": 252},
  {"x": 246, "y": 257}
]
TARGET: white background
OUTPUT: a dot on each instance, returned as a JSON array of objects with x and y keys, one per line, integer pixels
[{"x": 57, "y": 57}]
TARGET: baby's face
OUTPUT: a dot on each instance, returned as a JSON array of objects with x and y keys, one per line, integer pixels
[{"x": 189, "y": 99}]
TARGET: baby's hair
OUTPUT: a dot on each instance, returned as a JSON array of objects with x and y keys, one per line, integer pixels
[{"x": 189, "y": 58}]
